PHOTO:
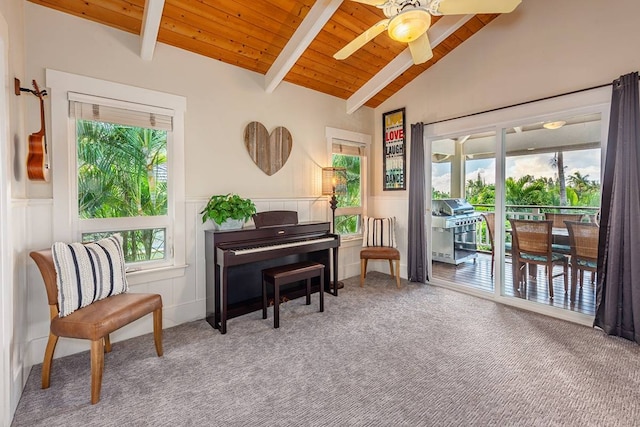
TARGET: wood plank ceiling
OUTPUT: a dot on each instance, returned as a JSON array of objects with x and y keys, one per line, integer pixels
[{"x": 251, "y": 34}]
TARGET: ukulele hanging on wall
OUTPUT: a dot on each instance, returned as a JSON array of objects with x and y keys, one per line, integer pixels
[{"x": 38, "y": 157}]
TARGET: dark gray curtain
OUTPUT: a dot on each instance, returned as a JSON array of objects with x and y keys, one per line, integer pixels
[
  {"x": 417, "y": 262},
  {"x": 618, "y": 296}
]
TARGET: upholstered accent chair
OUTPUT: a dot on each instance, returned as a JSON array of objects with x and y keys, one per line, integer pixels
[{"x": 93, "y": 322}]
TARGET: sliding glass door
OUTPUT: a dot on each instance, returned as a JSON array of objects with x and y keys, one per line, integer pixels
[
  {"x": 552, "y": 173},
  {"x": 518, "y": 164}
]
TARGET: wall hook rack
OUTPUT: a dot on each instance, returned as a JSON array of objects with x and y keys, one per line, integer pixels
[{"x": 18, "y": 90}]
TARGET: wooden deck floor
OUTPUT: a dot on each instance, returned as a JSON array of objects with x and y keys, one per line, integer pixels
[{"x": 478, "y": 275}]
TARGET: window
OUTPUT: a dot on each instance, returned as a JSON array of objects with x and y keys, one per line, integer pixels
[
  {"x": 350, "y": 205},
  {"x": 125, "y": 174}
]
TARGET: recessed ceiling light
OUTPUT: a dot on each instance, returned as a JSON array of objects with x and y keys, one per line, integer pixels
[{"x": 554, "y": 125}]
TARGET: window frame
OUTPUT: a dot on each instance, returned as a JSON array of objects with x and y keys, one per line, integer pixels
[
  {"x": 346, "y": 137},
  {"x": 68, "y": 226}
]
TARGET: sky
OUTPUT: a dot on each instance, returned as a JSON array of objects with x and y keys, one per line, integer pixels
[{"x": 587, "y": 162}]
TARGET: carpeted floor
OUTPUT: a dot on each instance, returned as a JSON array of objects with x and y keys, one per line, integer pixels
[{"x": 377, "y": 356}]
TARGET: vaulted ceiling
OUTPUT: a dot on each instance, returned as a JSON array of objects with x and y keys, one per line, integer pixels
[{"x": 290, "y": 40}]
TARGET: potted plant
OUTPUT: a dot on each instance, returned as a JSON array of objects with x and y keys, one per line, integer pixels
[{"x": 228, "y": 211}]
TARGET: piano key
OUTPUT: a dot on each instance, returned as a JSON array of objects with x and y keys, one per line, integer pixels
[{"x": 281, "y": 245}]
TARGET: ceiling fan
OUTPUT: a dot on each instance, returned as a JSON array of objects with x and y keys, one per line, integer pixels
[{"x": 408, "y": 21}]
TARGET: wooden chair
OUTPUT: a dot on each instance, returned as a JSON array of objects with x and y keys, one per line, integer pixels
[
  {"x": 379, "y": 242},
  {"x": 391, "y": 254},
  {"x": 532, "y": 245},
  {"x": 583, "y": 239},
  {"x": 490, "y": 220},
  {"x": 94, "y": 322},
  {"x": 559, "y": 219}
]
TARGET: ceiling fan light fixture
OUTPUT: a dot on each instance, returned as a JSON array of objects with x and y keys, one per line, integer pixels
[
  {"x": 554, "y": 125},
  {"x": 409, "y": 25}
]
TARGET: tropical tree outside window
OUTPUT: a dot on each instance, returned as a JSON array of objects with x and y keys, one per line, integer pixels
[
  {"x": 122, "y": 172},
  {"x": 350, "y": 205},
  {"x": 122, "y": 177}
]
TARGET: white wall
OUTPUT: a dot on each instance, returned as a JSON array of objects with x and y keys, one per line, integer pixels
[
  {"x": 13, "y": 293},
  {"x": 543, "y": 48}
]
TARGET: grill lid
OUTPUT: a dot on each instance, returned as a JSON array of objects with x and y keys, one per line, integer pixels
[{"x": 449, "y": 207}]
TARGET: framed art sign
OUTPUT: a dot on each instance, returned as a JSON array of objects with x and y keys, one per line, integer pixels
[{"x": 393, "y": 163}]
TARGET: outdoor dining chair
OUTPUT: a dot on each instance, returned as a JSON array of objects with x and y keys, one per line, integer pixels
[
  {"x": 532, "y": 246},
  {"x": 583, "y": 239}
]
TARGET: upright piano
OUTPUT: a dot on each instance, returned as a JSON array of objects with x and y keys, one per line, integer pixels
[{"x": 235, "y": 260}]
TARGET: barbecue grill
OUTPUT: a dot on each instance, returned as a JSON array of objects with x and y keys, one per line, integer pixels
[{"x": 453, "y": 223}]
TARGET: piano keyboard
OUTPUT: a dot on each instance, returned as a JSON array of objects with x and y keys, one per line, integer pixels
[{"x": 280, "y": 246}]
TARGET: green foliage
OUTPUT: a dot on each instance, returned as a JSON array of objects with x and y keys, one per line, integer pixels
[
  {"x": 122, "y": 173},
  {"x": 528, "y": 190},
  {"x": 437, "y": 194},
  {"x": 348, "y": 224},
  {"x": 220, "y": 207}
]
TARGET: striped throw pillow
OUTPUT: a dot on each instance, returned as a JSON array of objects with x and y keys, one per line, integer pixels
[
  {"x": 88, "y": 272},
  {"x": 379, "y": 232}
]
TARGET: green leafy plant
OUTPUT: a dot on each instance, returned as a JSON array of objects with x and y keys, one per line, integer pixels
[{"x": 222, "y": 207}]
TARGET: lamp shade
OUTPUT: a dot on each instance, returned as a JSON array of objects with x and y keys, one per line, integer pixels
[
  {"x": 334, "y": 181},
  {"x": 409, "y": 25}
]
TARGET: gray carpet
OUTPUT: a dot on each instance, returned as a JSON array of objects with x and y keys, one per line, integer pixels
[{"x": 377, "y": 356}]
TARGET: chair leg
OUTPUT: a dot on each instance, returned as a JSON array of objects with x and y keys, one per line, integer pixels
[
  {"x": 363, "y": 271},
  {"x": 574, "y": 281},
  {"x": 48, "y": 360},
  {"x": 107, "y": 344},
  {"x": 391, "y": 268},
  {"x": 97, "y": 365},
  {"x": 565, "y": 266},
  {"x": 398, "y": 273},
  {"x": 492, "y": 262},
  {"x": 157, "y": 330},
  {"x": 550, "y": 279}
]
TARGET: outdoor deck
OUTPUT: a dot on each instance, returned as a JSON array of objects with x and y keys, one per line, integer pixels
[{"x": 478, "y": 276}]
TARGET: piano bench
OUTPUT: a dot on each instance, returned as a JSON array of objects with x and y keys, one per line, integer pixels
[{"x": 285, "y": 274}]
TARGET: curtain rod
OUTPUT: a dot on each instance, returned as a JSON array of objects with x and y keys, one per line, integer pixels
[{"x": 524, "y": 103}]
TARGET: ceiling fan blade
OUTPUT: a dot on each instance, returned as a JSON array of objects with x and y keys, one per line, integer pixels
[
  {"x": 361, "y": 40},
  {"x": 466, "y": 7},
  {"x": 421, "y": 49},
  {"x": 371, "y": 2}
]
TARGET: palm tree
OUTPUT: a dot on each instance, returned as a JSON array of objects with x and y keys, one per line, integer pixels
[
  {"x": 346, "y": 224},
  {"x": 557, "y": 162},
  {"x": 118, "y": 173},
  {"x": 526, "y": 191}
]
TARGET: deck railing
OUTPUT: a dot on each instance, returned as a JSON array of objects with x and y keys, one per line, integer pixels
[{"x": 531, "y": 213}]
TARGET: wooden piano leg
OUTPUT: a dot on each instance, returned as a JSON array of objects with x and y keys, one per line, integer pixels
[
  {"x": 223, "y": 316},
  {"x": 322, "y": 291}
]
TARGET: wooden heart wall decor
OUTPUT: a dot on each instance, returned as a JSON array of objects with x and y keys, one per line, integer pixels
[{"x": 269, "y": 151}]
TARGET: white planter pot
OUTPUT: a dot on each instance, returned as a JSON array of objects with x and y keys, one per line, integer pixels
[{"x": 230, "y": 224}]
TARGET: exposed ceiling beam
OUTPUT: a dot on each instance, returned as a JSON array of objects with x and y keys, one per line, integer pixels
[
  {"x": 150, "y": 26},
  {"x": 442, "y": 29},
  {"x": 317, "y": 17}
]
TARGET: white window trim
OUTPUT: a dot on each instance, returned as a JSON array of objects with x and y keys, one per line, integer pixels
[
  {"x": 332, "y": 134},
  {"x": 63, "y": 173}
]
